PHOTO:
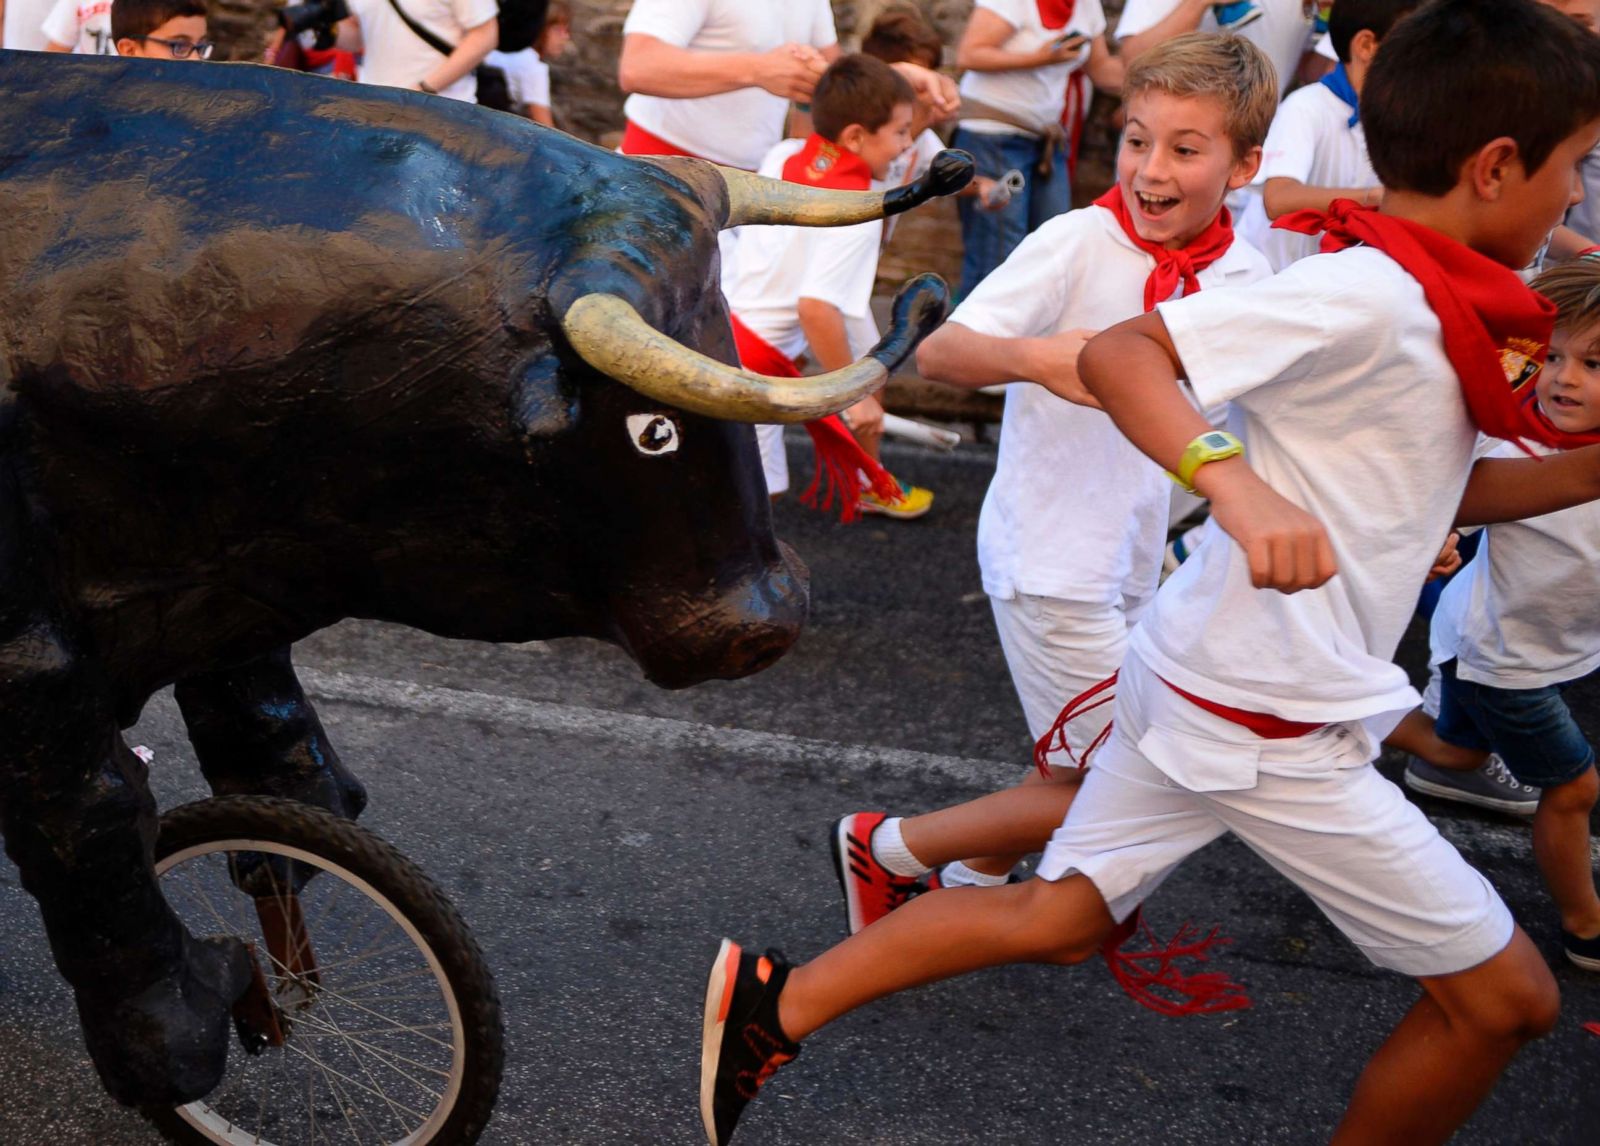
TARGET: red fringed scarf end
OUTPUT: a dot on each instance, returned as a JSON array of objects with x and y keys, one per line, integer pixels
[
  {"x": 841, "y": 464},
  {"x": 1151, "y": 978},
  {"x": 1055, "y": 740}
]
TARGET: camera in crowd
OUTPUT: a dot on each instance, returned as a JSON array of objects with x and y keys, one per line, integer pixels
[{"x": 320, "y": 16}]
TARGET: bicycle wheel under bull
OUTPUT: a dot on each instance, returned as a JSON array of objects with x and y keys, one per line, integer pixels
[{"x": 385, "y": 1025}]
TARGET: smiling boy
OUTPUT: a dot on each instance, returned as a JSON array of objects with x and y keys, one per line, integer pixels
[
  {"x": 1071, "y": 534},
  {"x": 1257, "y": 684}
]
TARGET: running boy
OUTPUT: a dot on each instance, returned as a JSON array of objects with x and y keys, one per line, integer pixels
[
  {"x": 1316, "y": 151},
  {"x": 1071, "y": 534},
  {"x": 1519, "y": 623},
  {"x": 1357, "y": 381},
  {"x": 806, "y": 291}
]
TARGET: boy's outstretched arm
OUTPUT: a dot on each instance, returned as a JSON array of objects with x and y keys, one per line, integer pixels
[
  {"x": 957, "y": 355},
  {"x": 1509, "y": 489},
  {"x": 1132, "y": 370}
]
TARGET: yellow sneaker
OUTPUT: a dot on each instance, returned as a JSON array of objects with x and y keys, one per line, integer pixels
[{"x": 914, "y": 502}]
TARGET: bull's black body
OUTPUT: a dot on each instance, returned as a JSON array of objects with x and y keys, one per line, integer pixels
[{"x": 276, "y": 351}]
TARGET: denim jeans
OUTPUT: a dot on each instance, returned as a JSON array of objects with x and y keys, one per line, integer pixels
[
  {"x": 988, "y": 237},
  {"x": 1531, "y": 729}
]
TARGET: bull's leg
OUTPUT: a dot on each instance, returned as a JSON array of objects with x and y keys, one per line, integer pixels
[
  {"x": 255, "y": 733},
  {"x": 80, "y": 824}
]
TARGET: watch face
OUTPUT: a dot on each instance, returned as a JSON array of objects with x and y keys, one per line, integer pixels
[{"x": 1215, "y": 441}]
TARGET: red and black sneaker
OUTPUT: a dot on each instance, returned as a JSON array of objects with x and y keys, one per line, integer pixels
[
  {"x": 741, "y": 1043},
  {"x": 871, "y": 890}
]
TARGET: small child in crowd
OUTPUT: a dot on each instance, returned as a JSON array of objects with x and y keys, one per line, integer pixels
[
  {"x": 1071, "y": 534},
  {"x": 798, "y": 292},
  {"x": 80, "y": 26},
  {"x": 161, "y": 29},
  {"x": 1316, "y": 151},
  {"x": 1257, "y": 685},
  {"x": 528, "y": 71},
  {"x": 1522, "y": 621}
]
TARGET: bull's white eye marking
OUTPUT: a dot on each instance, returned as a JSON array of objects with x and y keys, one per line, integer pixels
[{"x": 653, "y": 434}]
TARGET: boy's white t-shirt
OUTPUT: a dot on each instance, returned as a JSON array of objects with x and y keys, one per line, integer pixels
[
  {"x": 773, "y": 268},
  {"x": 23, "y": 26},
  {"x": 1311, "y": 141},
  {"x": 1035, "y": 96},
  {"x": 84, "y": 24},
  {"x": 1339, "y": 386},
  {"x": 1525, "y": 612},
  {"x": 1075, "y": 511},
  {"x": 738, "y": 127},
  {"x": 527, "y": 76},
  {"x": 395, "y": 56},
  {"x": 1280, "y": 32}
]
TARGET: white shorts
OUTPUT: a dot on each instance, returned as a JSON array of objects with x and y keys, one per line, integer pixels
[
  {"x": 1055, "y": 650},
  {"x": 774, "y": 462},
  {"x": 1313, "y": 807}
]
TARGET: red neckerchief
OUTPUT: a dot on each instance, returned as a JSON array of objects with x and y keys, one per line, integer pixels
[
  {"x": 1496, "y": 329},
  {"x": 822, "y": 163},
  {"x": 1054, "y": 14},
  {"x": 1172, "y": 267}
]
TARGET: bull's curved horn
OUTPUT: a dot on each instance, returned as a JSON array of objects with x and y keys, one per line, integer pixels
[
  {"x": 752, "y": 199},
  {"x": 612, "y": 337}
]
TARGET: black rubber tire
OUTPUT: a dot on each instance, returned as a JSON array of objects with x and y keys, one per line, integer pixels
[{"x": 374, "y": 860}]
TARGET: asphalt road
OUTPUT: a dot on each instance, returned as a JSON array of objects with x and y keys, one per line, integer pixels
[{"x": 600, "y": 836}]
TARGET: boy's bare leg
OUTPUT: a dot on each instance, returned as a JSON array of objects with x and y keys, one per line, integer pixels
[
  {"x": 1415, "y": 734},
  {"x": 1003, "y": 826},
  {"x": 1561, "y": 847},
  {"x": 938, "y": 936},
  {"x": 1446, "y": 1054}
]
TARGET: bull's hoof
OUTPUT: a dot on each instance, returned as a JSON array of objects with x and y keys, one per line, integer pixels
[{"x": 168, "y": 1044}]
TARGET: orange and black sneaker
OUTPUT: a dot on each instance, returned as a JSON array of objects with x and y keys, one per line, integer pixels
[
  {"x": 741, "y": 1043},
  {"x": 871, "y": 890}
]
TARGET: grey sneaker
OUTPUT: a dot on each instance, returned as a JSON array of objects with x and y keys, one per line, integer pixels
[{"x": 1492, "y": 786}]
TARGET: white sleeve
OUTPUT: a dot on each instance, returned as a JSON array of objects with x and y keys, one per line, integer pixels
[
  {"x": 840, "y": 266},
  {"x": 61, "y": 25},
  {"x": 1291, "y": 144},
  {"x": 1142, "y": 15},
  {"x": 1089, "y": 18},
  {"x": 536, "y": 84},
  {"x": 1024, "y": 297},
  {"x": 1288, "y": 328},
  {"x": 823, "y": 33},
  {"x": 676, "y": 22},
  {"x": 473, "y": 13}
]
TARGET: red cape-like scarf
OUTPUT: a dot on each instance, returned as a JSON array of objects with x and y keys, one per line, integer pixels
[
  {"x": 1172, "y": 267},
  {"x": 822, "y": 163},
  {"x": 1496, "y": 330},
  {"x": 1054, "y": 14}
]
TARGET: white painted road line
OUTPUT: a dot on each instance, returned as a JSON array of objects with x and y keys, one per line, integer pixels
[{"x": 633, "y": 730}]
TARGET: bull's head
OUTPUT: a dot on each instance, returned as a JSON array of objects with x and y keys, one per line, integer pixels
[{"x": 747, "y": 613}]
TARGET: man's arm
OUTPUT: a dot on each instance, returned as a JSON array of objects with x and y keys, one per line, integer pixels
[
  {"x": 1510, "y": 489},
  {"x": 470, "y": 52},
  {"x": 980, "y": 50},
  {"x": 1184, "y": 17},
  {"x": 1283, "y": 194},
  {"x": 960, "y": 356},
  {"x": 826, "y": 335},
  {"x": 654, "y": 67},
  {"x": 1104, "y": 70},
  {"x": 1133, "y": 371},
  {"x": 1565, "y": 243}
]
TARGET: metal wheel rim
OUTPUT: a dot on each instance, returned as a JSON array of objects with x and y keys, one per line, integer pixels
[{"x": 217, "y": 1126}]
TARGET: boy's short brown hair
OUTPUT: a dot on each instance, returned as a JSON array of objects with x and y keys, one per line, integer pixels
[
  {"x": 857, "y": 89},
  {"x": 131, "y": 19},
  {"x": 1229, "y": 69},
  {"x": 1456, "y": 74},
  {"x": 901, "y": 35},
  {"x": 1575, "y": 289}
]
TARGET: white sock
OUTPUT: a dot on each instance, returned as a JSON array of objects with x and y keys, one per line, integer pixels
[
  {"x": 959, "y": 874},
  {"x": 889, "y": 849}
]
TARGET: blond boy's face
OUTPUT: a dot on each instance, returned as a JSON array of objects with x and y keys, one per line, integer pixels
[
  {"x": 878, "y": 149},
  {"x": 158, "y": 45},
  {"x": 1568, "y": 388},
  {"x": 1176, "y": 164}
]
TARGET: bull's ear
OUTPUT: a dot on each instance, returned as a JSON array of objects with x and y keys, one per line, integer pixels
[{"x": 543, "y": 402}]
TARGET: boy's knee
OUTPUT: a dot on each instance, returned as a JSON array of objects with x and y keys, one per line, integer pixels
[
  {"x": 1068, "y": 920},
  {"x": 1576, "y": 796},
  {"x": 1523, "y": 1006}
]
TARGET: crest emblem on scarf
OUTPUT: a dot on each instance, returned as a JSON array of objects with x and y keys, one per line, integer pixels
[
  {"x": 1519, "y": 358},
  {"x": 825, "y": 158}
]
